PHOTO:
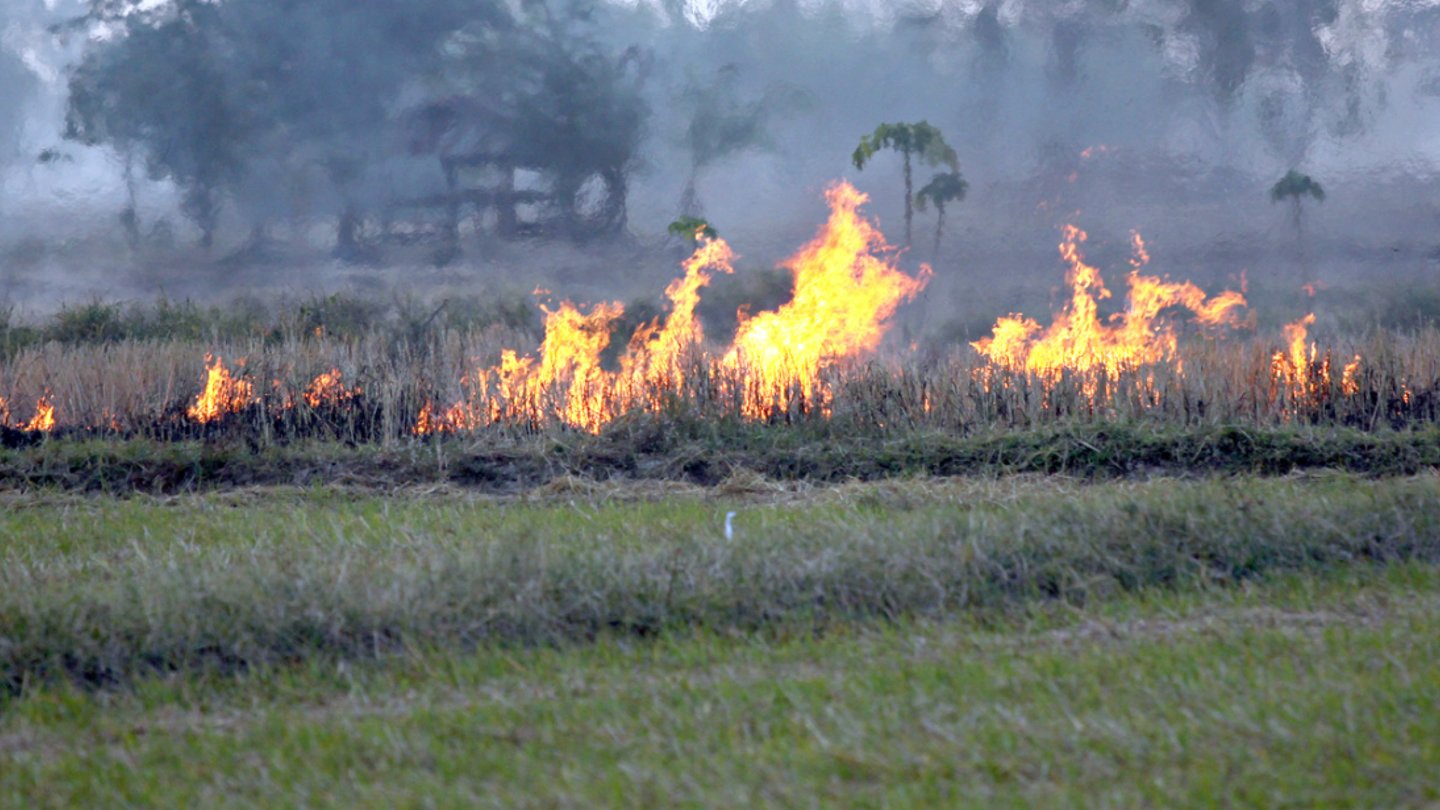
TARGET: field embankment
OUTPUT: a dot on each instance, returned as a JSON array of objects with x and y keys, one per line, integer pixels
[{"x": 709, "y": 455}]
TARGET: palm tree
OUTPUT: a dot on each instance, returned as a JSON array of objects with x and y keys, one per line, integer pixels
[
  {"x": 692, "y": 228},
  {"x": 913, "y": 141},
  {"x": 946, "y": 187},
  {"x": 1296, "y": 187}
]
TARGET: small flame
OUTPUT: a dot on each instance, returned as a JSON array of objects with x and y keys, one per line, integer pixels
[
  {"x": 329, "y": 389},
  {"x": 1139, "y": 256},
  {"x": 223, "y": 393},
  {"x": 426, "y": 424},
  {"x": 44, "y": 419},
  {"x": 1350, "y": 378}
]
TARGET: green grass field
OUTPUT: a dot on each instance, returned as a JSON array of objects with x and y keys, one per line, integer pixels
[
  {"x": 1303, "y": 691},
  {"x": 1014, "y": 641}
]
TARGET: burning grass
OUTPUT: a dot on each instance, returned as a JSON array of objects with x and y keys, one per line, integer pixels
[
  {"x": 1173, "y": 355},
  {"x": 367, "y": 392}
]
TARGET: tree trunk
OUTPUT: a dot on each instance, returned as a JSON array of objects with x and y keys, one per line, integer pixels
[
  {"x": 939, "y": 231},
  {"x": 347, "y": 245},
  {"x": 130, "y": 217},
  {"x": 199, "y": 205},
  {"x": 450, "y": 239},
  {"x": 690, "y": 197},
  {"x": 1298, "y": 213},
  {"x": 909, "y": 199},
  {"x": 507, "y": 214},
  {"x": 618, "y": 203},
  {"x": 207, "y": 222}
]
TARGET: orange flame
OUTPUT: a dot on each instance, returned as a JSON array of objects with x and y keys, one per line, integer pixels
[
  {"x": 656, "y": 354},
  {"x": 1295, "y": 335},
  {"x": 223, "y": 393},
  {"x": 1303, "y": 373},
  {"x": 846, "y": 290},
  {"x": 44, "y": 419},
  {"x": 328, "y": 389},
  {"x": 1350, "y": 378},
  {"x": 844, "y": 296},
  {"x": 426, "y": 424},
  {"x": 1079, "y": 341},
  {"x": 568, "y": 383}
]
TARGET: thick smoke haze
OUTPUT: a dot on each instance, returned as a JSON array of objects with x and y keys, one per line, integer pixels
[{"x": 268, "y": 147}]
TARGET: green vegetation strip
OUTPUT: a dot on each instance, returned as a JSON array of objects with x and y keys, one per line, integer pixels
[
  {"x": 1304, "y": 691},
  {"x": 710, "y": 454},
  {"x": 100, "y": 592}
]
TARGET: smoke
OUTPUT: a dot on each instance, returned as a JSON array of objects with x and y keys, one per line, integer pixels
[{"x": 327, "y": 143}]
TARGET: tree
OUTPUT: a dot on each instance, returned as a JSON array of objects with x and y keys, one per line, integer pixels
[
  {"x": 543, "y": 88},
  {"x": 692, "y": 228},
  {"x": 159, "y": 92},
  {"x": 722, "y": 124},
  {"x": 245, "y": 101},
  {"x": 919, "y": 141},
  {"x": 1226, "y": 48},
  {"x": 943, "y": 188},
  {"x": 19, "y": 84},
  {"x": 325, "y": 78},
  {"x": 1295, "y": 187}
]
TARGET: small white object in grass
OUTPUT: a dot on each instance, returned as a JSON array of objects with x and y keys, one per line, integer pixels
[{"x": 729, "y": 525}]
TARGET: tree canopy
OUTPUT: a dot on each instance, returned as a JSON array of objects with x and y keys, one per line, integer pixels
[
  {"x": 919, "y": 141},
  {"x": 1294, "y": 186},
  {"x": 241, "y": 101},
  {"x": 943, "y": 189},
  {"x": 922, "y": 140}
]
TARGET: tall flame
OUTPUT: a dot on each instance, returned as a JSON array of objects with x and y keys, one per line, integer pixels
[
  {"x": 845, "y": 293},
  {"x": 846, "y": 290},
  {"x": 1303, "y": 372},
  {"x": 1295, "y": 335},
  {"x": 656, "y": 355},
  {"x": 1350, "y": 377},
  {"x": 1079, "y": 340},
  {"x": 223, "y": 393}
]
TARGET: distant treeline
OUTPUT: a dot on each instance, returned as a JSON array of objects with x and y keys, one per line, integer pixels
[{"x": 534, "y": 115}]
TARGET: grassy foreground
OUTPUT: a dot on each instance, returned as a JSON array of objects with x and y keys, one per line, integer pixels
[
  {"x": 1013, "y": 641},
  {"x": 101, "y": 592},
  {"x": 1304, "y": 691}
]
